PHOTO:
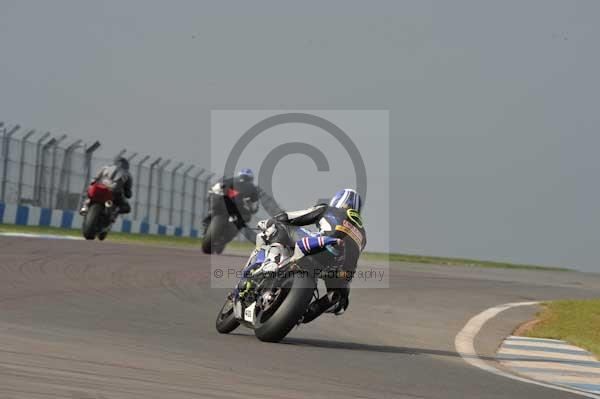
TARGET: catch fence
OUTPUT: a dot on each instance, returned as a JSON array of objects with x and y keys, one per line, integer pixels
[{"x": 44, "y": 170}]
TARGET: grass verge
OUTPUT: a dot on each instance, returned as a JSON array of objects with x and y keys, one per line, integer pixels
[
  {"x": 577, "y": 322},
  {"x": 113, "y": 236},
  {"x": 196, "y": 242},
  {"x": 438, "y": 260}
]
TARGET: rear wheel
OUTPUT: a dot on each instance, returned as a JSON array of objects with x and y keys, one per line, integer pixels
[
  {"x": 207, "y": 246},
  {"x": 215, "y": 239},
  {"x": 226, "y": 321},
  {"x": 281, "y": 308},
  {"x": 91, "y": 221}
]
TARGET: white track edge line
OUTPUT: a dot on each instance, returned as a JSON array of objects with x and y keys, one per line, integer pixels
[
  {"x": 39, "y": 235},
  {"x": 465, "y": 346}
]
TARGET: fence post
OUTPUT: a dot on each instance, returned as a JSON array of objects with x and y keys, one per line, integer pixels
[
  {"x": 5, "y": 148},
  {"x": 152, "y": 166},
  {"x": 130, "y": 158},
  {"x": 194, "y": 199},
  {"x": 173, "y": 175},
  {"x": 22, "y": 164},
  {"x": 88, "y": 151},
  {"x": 88, "y": 163},
  {"x": 37, "y": 169},
  {"x": 184, "y": 185},
  {"x": 53, "y": 190},
  {"x": 44, "y": 151},
  {"x": 65, "y": 175},
  {"x": 205, "y": 194},
  {"x": 138, "y": 177},
  {"x": 161, "y": 169}
]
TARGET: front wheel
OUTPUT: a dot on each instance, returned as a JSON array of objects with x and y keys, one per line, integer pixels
[
  {"x": 285, "y": 307},
  {"x": 91, "y": 221},
  {"x": 226, "y": 321}
]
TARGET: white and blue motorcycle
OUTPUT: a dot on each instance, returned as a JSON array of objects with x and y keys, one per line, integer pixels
[{"x": 278, "y": 284}]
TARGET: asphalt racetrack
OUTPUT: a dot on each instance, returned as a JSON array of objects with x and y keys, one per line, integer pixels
[{"x": 103, "y": 320}]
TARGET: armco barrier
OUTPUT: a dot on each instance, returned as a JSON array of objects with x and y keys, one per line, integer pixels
[{"x": 26, "y": 215}]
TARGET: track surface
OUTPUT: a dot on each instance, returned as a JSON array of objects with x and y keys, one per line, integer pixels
[{"x": 100, "y": 320}]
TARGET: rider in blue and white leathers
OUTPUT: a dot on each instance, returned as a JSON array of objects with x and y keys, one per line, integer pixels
[{"x": 340, "y": 223}]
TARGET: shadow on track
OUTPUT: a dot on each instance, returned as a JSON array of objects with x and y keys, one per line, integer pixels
[{"x": 355, "y": 346}]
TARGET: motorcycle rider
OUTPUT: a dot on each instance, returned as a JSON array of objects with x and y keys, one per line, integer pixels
[
  {"x": 240, "y": 195},
  {"x": 340, "y": 220},
  {"x": 119, "y": 180}
]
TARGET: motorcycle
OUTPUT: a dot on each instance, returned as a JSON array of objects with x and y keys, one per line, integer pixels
[
  {"x": 101, "y": 212},
  {"x": 222, "y": 227},
  {"x": 273, "y": 303}
]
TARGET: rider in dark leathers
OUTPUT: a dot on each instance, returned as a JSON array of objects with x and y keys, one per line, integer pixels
[
  {"x": 119, "y": 180},
  {"x": 340, "y": 219},
  {"x": 240, "y": 196}
]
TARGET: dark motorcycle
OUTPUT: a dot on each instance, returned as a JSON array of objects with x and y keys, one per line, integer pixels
[
  {"x": 272, "y": 303},
  {"x": 101, "y": 212},
  {"x": 224, "y": 225}
]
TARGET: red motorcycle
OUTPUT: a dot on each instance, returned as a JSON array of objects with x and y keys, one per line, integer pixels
[{"x": 101, "y": 212}]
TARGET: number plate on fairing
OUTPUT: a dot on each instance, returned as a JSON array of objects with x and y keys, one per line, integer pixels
[{"x": 249, "y": 313}]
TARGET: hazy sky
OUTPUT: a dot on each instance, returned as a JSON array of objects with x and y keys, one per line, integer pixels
[{"x": 493, "y": 105}]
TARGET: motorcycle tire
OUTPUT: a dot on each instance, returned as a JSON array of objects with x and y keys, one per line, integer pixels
[
  {"x": 211, "y": 242},
  {"x": 291, "y": 310},
  {"x": 226, "y": 321},
  {"x": 91, "y": 220}
]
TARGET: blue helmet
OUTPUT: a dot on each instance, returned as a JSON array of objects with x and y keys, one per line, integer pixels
[
  {"x": 346, "y": 199},
  {"x": 245, "y": 175}
]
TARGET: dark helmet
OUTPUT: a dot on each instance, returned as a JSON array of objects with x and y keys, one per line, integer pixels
[
  {"x": 346, "y": 199},
  {"x": 245, "y": 175},
  {"x": 122, "y": 163}
]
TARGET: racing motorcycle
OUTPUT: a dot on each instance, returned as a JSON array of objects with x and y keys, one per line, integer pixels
[
  {"x": 273, "y": 303},
  {"x": 101, "y": 212},
  {"x": 222, "y": 227}
]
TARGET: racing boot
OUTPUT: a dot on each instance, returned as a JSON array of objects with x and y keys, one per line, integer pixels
[
  {"x": 342, "y": 301},
  {"x": 316, "y": 309},
  {"x": 114, "y": 215},
  {"x": 333, "y": 302}
]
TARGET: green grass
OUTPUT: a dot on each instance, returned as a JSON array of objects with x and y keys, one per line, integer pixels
[
  {"x": 246, "y": 246},
  {"x": 12, "y": 228},
  {"x": 438, "y": 260},
  {"x": 577, "y": 322},
  {"x": 112, "y": 236},
  {"x": 151, "y": 239}
]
